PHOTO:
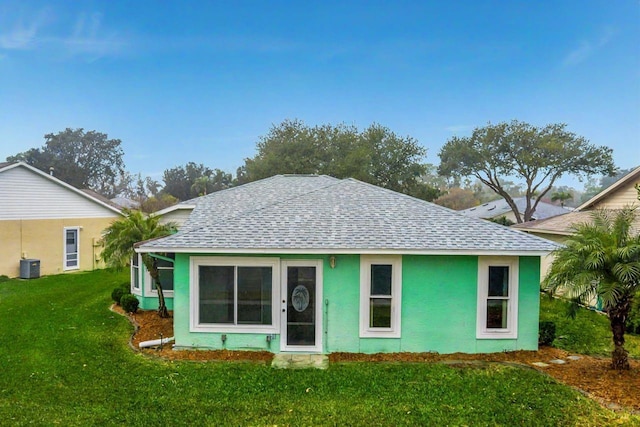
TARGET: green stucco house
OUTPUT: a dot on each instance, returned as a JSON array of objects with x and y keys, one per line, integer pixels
[{"x": 316, "y": 264}]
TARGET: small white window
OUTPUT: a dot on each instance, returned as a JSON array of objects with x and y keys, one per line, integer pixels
[
  {"x": 165, "y": 275},
  {"x": 71, "y": 248},
  {"x": 135, "y": 274},
  {"x": 497, "y": 315},
  {"x": 380, "y": 296}
]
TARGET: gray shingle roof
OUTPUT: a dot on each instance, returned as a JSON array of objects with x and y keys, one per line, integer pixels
[
  {"x": 320, "y": 213},
  {"x": 501, "y": 207}
]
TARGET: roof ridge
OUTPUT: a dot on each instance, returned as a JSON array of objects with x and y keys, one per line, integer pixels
[{"x": 270, "y": 205}]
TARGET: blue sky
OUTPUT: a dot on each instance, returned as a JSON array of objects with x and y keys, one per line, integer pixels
[{"x": 203, "y": 80}]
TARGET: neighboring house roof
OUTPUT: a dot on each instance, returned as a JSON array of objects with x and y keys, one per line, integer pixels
[
  {"x": 607, "y": 192},
  {"x": 124, "y": 202},
  {"x": 560, "y": 224},
  {"x": 88, "y": 194},
  {"x": 306, "y": 214},
  {"x": 500, "y": 207},
  {"x": 563, "y": 224}
]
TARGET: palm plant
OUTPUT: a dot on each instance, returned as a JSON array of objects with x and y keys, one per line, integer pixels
[
  {"x": 602, "y": 259},
  {"x": 121, "y": 236}
]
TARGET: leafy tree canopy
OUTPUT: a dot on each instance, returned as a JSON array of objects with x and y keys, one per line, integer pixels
[
  {"x": 458, "y": 198},
  {"x": 194, "y": 180},
  {"x": 375, "y": 155},
  {"x": 82, "y": 159},
  {"x": 536, "y": 155}
]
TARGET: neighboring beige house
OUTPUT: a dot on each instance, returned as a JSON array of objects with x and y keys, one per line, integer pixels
[
  {"x": 45, "y": 219},
  {"x": 618, "y": 195},
  {"x": 177, "y": 213}
]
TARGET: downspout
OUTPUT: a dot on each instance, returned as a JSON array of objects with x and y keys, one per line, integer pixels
[{"x": 155, "y": 343}]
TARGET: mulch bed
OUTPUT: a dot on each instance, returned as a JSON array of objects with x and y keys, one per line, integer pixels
[{"x": 591, "y": 375}]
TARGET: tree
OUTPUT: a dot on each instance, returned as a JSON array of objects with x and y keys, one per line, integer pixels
[
  {"x": 595, "y": 185},
  {"x": 602, "y": 259},
  {"x": 457, "y": 199},
  {"x": 194, "y": 180},
  {"x": 538, "y": 156},
  {"x": 561, "y": 196},
  {"x": 120, "y": 237},
  {"x": 82, "y": 159},
  {"x": 375, "y": 155}
]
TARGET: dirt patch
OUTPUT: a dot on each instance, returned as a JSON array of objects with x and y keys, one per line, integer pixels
[
  {"x": 590, "y": 375},
  {"x": 150, "y": 326}
]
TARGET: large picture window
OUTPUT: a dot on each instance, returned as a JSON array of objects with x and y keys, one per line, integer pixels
[
  {"x": 497, "y": 297},
  {"x": 235, "y": 294},
  {"x": 380, "y": 296}
]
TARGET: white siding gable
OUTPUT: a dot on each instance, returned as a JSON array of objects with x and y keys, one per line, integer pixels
[{"x": 25, "y": 194}]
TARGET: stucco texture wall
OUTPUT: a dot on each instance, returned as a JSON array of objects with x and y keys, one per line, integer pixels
[
  {"x": 439, "y": 307},
  {"x": 44, "y": 240}
]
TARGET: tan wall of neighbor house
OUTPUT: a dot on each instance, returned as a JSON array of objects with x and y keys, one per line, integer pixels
[
  {"x": 43, "y": 239},
  {"x": 547, "y": 260},
  {"x": 624, "y": 196}
]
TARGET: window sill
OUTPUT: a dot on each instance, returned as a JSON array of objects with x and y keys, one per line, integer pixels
[
  {"x": 379, "y": 334},
  {"x": 230, "y": 329},
  {"x": 497, "y": 335}
]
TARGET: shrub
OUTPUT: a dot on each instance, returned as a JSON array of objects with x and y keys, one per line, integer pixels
[
  {"x": 547, "y": 333},
  {"x": 3, "y": 278},
  {"x": 129, "y": 303},
  {"x": 117, "y": 293},
  {"x": 633, "y": 321}
]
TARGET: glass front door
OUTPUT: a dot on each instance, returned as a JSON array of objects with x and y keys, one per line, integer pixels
[{"x": 301, "y": 306}]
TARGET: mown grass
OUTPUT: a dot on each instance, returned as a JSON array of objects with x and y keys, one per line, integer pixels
[
  {"x": 588, "y": 333},
  {"x": 64, "y": 359}
]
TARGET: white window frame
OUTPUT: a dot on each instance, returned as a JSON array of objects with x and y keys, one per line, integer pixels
[
  {"x": 148, "y": 283},
  {"x": 136, "y": 271},
  {"x": 511, "y": 331},
  {"x": 65, "y": 266},
  {"x": 366, "y": 261},
  {"x": 194, "y": 294}
]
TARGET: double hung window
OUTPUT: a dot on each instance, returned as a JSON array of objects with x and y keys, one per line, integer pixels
[
  {"x": 380, "y": 296},
  {"x": 497, "y": 297}
]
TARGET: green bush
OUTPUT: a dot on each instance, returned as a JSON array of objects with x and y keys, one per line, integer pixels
[
  {"x": 547, "y": 333},
  {"x": 117, "y": 293},
  {"x": 3, "y": 278},
  {"x": 129, "y": 303},
  {"x": 633, "y": 321}
]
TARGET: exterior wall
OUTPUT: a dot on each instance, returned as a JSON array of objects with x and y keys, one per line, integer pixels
[
  {"x": 178, "y": 216},
  {"x": 547, "y": 260},
  {"x": 28, "y": 195},
  {"x": 439, "y": 308},
  {"x": 43, "y": 239},
  {"x": 624, "y": 196}
]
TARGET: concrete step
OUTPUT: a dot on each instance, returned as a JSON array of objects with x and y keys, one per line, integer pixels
[{"x": 300, "y": 361}]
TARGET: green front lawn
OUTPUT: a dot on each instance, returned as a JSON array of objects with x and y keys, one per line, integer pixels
[
  {"x": 64, "y": 359},
  {"x": 589, "y": 333}
]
